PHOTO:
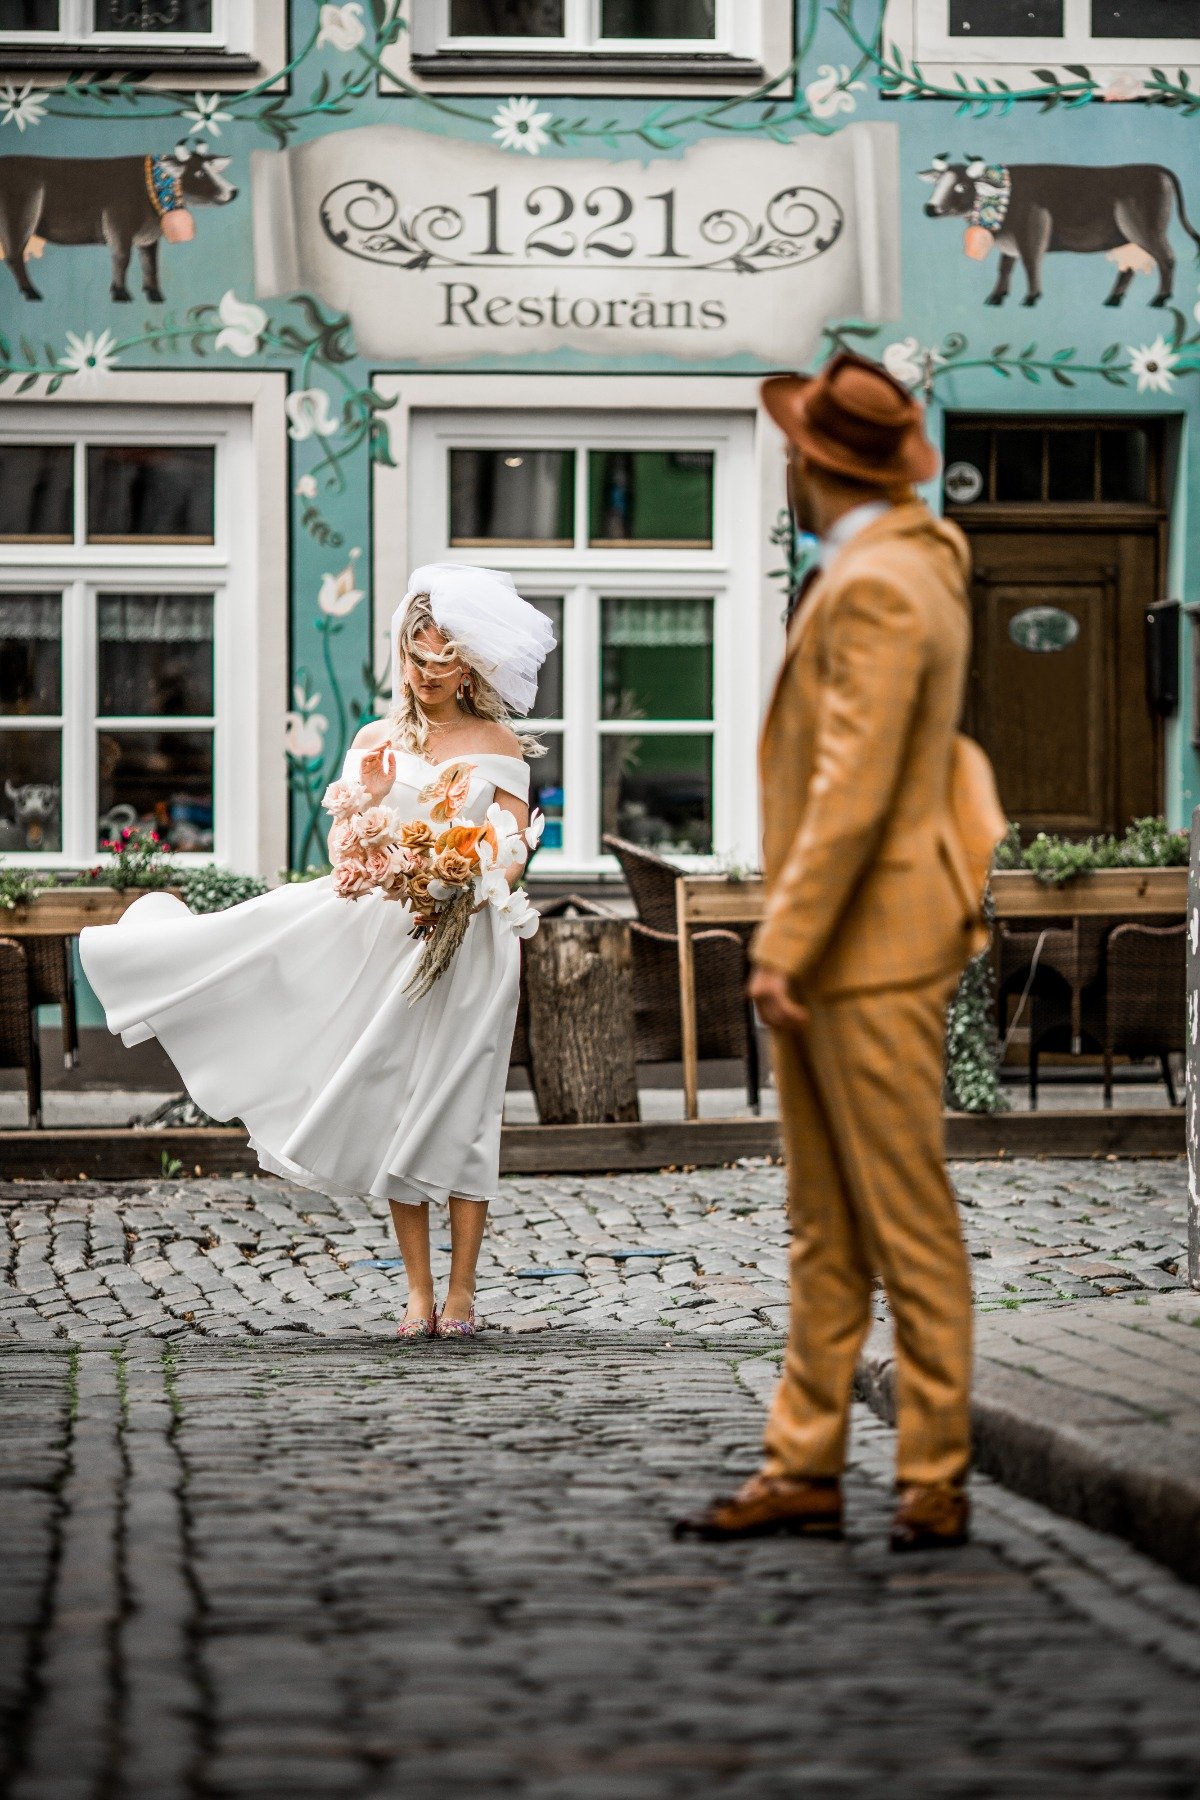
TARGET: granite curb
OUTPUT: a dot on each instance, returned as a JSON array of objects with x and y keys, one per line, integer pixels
[{"x": 1126, "y": 1468}]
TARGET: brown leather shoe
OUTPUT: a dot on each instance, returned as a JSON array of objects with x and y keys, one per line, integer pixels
[
  {"x": 771, "y": 1503},
  {"x": 931, "y": 1516}
]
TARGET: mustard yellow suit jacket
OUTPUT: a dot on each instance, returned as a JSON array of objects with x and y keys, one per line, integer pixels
[{"x": 866, "y": 880}]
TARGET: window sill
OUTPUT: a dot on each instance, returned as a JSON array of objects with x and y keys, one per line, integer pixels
[
  {"x": 67, "y": 58},
  {"x": 555, "y": 65}
]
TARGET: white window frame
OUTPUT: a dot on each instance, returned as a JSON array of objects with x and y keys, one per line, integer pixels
[
  {"x": 76, "y": 25},
  {"x": 638, "y": 412},
  {"x": 753, "y": 35},
  {"x": 250, "y": 799},
  {"x": 919, "y": 28},
  {"x": 734, "y": 35}
]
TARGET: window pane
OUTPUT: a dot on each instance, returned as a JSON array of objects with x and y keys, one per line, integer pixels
[
  {"x": 30, "y": 653},
  {"x": 657, "y": 659},
  {"x": 656, "y": 498},
  {"x": 512, "y": 497},
  {"x": 1018, "y": 465},
  {"x": 658, "y": 18},
  {"x": 30, "y": 790},
  {"x": 1072, "y": 465},
  {"x": 1006, "y": 18},
  {"x": 160, "y": 781},
  {"x": 36, "y": 484},
  {"x": 138, "y": 492},
  {"x": 1145, "y": 18},
  {"x": 155, "y": 654},
  {"x": 657, "y": 791},
  {"x": 549, "y": 702},
  {"x": 1124, "y": 466},
  {"x": 154, "y": 15},
  {"x": 506, "y": 18},
  {"x": 546, "y": 789},
  {"x": 28, "y": 15}
]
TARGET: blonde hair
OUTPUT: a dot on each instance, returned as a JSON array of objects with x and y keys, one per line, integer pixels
[{"x": 408, "y": 726}]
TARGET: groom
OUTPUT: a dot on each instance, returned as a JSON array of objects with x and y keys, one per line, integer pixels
[{"x": 874, "y": 882}]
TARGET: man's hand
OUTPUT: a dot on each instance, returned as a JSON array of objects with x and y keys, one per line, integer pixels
[{"x": 770, "y": 990}]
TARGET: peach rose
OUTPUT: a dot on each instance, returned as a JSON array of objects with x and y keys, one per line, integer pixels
[
  {"x": 343, "y": 840},
  {"x": 378, "y": 771},
  {"x": 350, "y": 880},
  {"x": 416, "y": 835},
  {"x": 418, "y": 892},
  {"x": 340, "y": 797},
  {"x": 374, "y": 827},
  {"x": 378, "y": 865},
  {"x": 455, "y": 868},
  {"x": 448, "y": 793}
]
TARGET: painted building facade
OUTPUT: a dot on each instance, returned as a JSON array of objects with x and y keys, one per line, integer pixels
[{"x": 299, "y": 296}]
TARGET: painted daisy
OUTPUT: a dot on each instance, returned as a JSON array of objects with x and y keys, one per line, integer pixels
[
  {"x": 23, "y": 106},
  {"x": 1152, "y": 365},
  {"x": 520, "y": 126},
  {"x": 89, "y": 358},
  {"x": 206, "y": 116}
]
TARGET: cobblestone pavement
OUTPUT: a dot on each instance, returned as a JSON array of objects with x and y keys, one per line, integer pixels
[
  {"x": 693, "y": 1249},
  {"x": 332, "y": 1569}
]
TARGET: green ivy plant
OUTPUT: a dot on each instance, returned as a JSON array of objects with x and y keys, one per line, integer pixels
[{"x": 972, "y": 1045}]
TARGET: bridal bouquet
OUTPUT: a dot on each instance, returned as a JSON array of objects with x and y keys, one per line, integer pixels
[{"x": 446, "y": 875}]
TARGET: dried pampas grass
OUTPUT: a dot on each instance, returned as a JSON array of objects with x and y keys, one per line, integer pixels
[{"x": 442, "y": 945}]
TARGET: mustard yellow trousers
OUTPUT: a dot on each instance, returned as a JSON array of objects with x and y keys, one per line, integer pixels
[{"x": 860, "y": 1092}]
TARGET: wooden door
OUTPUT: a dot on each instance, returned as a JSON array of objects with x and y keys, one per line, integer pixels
[{"x": 1057, "y": 694}]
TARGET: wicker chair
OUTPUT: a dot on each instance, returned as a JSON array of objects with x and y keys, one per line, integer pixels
[
  {"x": 1145, "y": 1010},
  {"x": 1060, "y": 987},
  {"x": 52, "y": 983},
  {"x": 18, "y": 1027},
  {"x": 725, "y": 1018}
]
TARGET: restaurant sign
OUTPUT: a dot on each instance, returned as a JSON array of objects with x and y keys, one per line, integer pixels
[{"x": 440, "y": 249}]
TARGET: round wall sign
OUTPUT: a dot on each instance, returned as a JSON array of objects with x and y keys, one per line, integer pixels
[
  {"x": 1043, "y": 629},
  {"x": 963, "y": 483}
]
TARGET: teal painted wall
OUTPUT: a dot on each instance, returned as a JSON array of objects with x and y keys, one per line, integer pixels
[{"x": 1069, "y": 354}]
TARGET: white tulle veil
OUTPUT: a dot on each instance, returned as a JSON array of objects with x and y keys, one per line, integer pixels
[{"x": 502, "y": 636}]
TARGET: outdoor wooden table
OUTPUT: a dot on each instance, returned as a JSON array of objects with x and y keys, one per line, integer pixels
[{"x": 714, "y": 900}]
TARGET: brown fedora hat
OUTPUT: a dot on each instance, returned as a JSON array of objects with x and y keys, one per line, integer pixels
[{"x": 855, "y": 420}]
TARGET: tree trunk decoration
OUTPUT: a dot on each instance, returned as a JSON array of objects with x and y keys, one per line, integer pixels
[{"x": 579, "y": 974}]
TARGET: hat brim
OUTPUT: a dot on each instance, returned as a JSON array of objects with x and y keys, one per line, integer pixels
[{"x": 915, "y": 459}]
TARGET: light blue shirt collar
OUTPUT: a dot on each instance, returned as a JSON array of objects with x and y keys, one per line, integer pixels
[{"x": 849, "y": 526}]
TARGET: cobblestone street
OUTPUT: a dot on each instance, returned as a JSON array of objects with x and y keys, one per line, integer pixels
[{"x": 253, "y": 1548}]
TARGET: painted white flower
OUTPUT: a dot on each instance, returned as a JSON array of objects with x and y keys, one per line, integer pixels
[
  {"x": 306, "y": 487},
  {"x": 308, "y": 409},
  {"x": 1125, "y": 85},
  {"x": 907, "y": 360},
  {"x": 206, "y": 114},
  {"x": 520, "y": 126},
  {"x": 89, "y": 358},
  {"x": 304, "y": 733},
  {"x": 1152, "y": 365},
  {"x": 338, "y": 595},
  {"x": 832, "y": 91},
  {"x": 342, "y": 27},
  {"x": 243, "y": 325},
  {"x": 22, "y": 106}
]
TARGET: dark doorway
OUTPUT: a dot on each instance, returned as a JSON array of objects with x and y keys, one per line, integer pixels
[{"x": 1066, "y": 529}]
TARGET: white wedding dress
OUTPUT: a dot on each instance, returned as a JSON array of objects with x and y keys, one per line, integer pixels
[{"x": 289, "y": 1013}]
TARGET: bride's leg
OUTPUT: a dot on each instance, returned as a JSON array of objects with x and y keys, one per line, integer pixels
[
  {"x": 411, "y": 1225},
  {"x": 467, "y": 1221}
]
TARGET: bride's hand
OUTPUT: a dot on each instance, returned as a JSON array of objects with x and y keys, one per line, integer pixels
[{"x": 378, "y": 772}]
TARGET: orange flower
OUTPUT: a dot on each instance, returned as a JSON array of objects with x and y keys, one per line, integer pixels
[
  {"x": 455, "y": 868},
  {"x": 463, "y": 838},
  {"x": 416, "y": 835},
  {"x": 447, "y": 794}
]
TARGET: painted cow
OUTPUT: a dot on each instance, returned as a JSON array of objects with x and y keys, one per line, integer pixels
[
  {"x": 120, "y": 201},
  {"x": 1027, "y": 209}
]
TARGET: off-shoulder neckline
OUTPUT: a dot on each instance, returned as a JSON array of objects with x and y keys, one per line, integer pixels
[{"x": 471, "y": 756}]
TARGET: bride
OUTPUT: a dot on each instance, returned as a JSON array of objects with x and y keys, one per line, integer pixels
[{"x": 289, "y": 1012}]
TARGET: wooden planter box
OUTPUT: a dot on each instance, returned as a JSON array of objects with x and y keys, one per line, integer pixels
[
  {"x": 1105, "y": 893},
  {"x": 63, "y": 912}
]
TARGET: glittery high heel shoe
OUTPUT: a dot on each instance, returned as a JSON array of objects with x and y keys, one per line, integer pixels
[
  {"x": 414, "y": 1331},
  {"x": 458, "y": 1328}
]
